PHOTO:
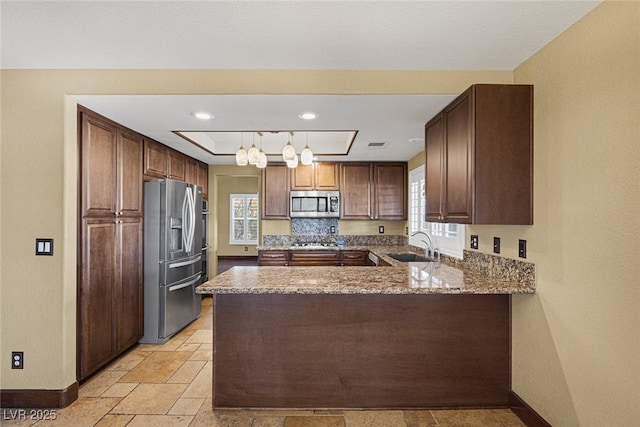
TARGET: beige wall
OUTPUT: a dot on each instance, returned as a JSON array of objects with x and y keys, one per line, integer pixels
[
  {"x": 39, "y": 184},
  {"x": 415, "y": 161},
  {"x": 576, "y": 343}
]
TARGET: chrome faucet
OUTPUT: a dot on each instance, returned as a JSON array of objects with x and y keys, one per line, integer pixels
[{"x": 428, "y": 246}]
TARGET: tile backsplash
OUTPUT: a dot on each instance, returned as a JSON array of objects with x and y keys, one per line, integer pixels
[
  {"x": 316, "y": 226},
  {"x": 349, "y": 240}
]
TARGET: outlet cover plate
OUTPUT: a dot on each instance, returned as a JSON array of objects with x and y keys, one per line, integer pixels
[
  {"x": 17, "y": 360},
  {"x": 522, "y": 248},
  {"x": 474, "y": 241},
  {"x": 496, "y": 245}
]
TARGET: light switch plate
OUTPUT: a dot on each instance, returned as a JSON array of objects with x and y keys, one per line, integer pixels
[{"x": 44, "y": 247}]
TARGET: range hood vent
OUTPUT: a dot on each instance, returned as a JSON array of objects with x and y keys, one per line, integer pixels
[{"x": 376, "y": 144}]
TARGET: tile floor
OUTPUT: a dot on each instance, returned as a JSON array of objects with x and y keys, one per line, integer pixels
[{"x": 170, "y": 385}]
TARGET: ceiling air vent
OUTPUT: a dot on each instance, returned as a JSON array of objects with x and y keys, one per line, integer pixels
[{"x": 376, "y": 144}]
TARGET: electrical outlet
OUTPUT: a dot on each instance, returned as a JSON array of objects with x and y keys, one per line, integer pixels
[
  {"x": 522, "y": 248},
  {"x": 17, "y": 359},
  {"x": 474, "y": 241},
  {"x": 381, "y": 229},
  {"x": 496, "y": 245},
  {"x": 332, "y": 229}
]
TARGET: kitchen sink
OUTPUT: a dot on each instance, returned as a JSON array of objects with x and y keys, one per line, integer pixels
[{"x": 410, "y": 257}]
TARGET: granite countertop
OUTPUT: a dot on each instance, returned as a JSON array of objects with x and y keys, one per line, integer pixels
[{"x": 398, "y": 278}]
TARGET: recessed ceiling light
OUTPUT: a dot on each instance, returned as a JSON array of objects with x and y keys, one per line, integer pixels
[
  {"x": 308, "y": 115},
  {"x": 202, "y": 115}
]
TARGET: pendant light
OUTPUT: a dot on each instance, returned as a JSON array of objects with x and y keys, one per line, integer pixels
[
  {"x": 293, "y": 163},
  {"x": 306, "y": 157},
  {"x": 288, "y": 152},
  {"x": 242, "y": 158},
  {"x": 262, "y": 157},
  {"x": 253, "y": 152}
]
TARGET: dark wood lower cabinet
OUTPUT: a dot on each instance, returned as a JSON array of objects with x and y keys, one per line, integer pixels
[
  {"x": 96, "y": 296},
  {"x": 307, "y": 258},
  {"x": 130, "y": 314},
  {"x": 314, "y": 258},
  {"x": 354, "y": 258},
  {"x": 273, "y": 258},
  {"x": 361, "y": 351},
  {"x": 110, "y": 298}
]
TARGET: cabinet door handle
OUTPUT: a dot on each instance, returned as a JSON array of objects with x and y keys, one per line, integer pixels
[{"x": 272, "y": 256}]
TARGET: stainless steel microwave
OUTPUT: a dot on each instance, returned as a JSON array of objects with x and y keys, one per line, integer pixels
[{"x": 315, "y": 204}]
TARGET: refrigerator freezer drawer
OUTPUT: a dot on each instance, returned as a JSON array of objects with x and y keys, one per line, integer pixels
[
  {"x": 174, "y": 271},
  {"x": 179, "y": 302}
]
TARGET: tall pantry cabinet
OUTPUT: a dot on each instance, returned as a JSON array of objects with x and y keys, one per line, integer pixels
[{"x": 110, "y": 299}]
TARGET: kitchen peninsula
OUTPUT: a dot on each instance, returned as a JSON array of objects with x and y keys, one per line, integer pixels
[{"x": 408, "y": 335}]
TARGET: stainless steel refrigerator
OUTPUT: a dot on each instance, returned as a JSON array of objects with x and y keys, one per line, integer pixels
[{"x": 172, "y": 257}]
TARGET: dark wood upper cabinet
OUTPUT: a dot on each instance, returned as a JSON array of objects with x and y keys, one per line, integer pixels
[
  {"x": 275, "y": 192},
  {"x": 176, "y": 166},
  {"x": 479, "y": 157},
  {"x": 327, "y": 176},
  {"x": 355, "y": 186},
  {"x": 302, "y": 178},
  {"x": 203, "y": 179},
  {"x": 434, "y": 167},
  {"x": 129, "y": 169},
  {"x": 390, "y": 191},
  {"x": 191, "y": 171},
  {"x": 459, "y": 160},
  {"x": 376, "y": 191},
  {"x": 324, "y": 176},
  {"x": 155, "y": 159},
  {"x": 98, "y": 166}
]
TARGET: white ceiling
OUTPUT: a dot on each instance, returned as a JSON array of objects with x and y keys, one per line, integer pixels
[{"x": 377, "y": 35}]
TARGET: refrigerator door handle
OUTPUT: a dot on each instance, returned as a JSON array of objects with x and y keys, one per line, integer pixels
[
  {"x": 189, "y": 218},
  {"x": 185, "y": 237},
  {"x": 183, "y": 263},
  {"x": 192, "y": 220},
  {"x": 184, "y": 285}
]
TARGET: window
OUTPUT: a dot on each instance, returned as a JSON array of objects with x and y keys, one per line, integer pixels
[
  {"x": 449, "y": 238},
  {"x": 416, "y": 204},
  {"x": 243, "y": 219}
]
